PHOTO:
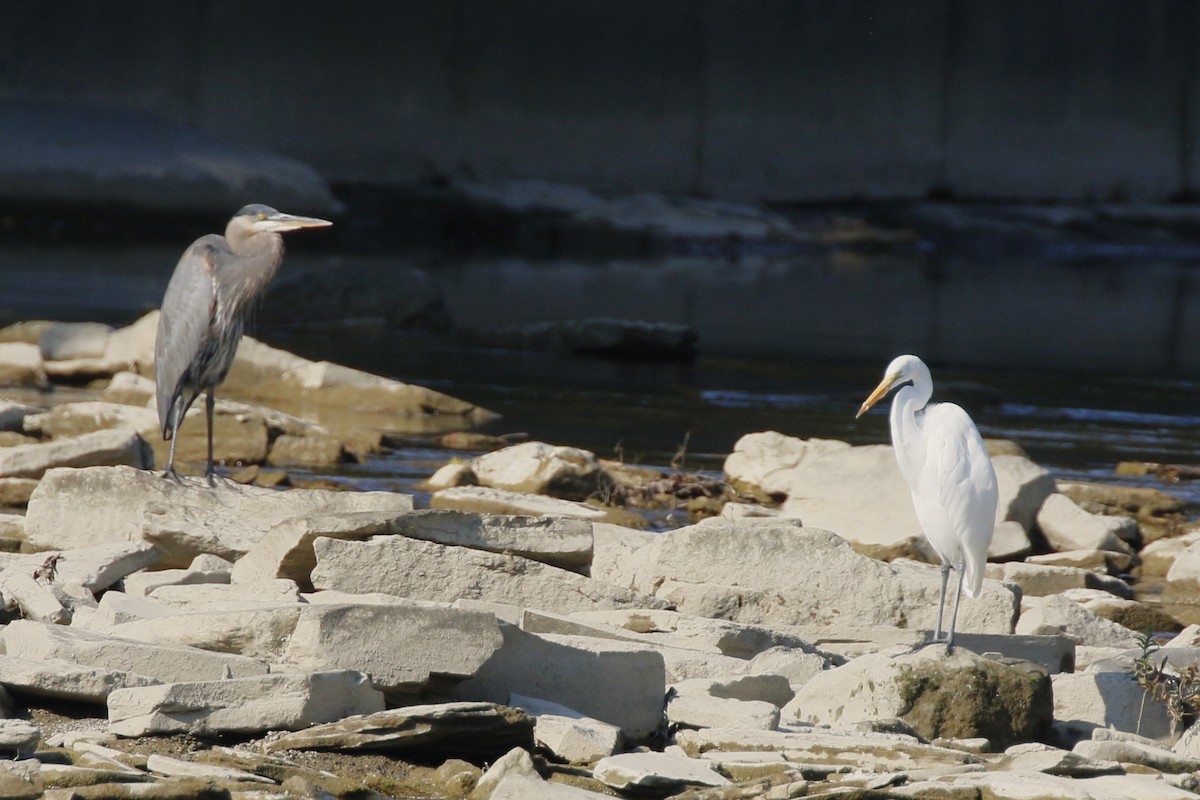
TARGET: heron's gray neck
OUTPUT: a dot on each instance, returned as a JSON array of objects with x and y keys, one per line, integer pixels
[{"x": 245, "y": 278}]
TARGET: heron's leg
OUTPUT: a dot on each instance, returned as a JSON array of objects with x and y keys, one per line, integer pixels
[
  {"x": 954, "y": 614},
  {"x": 937, "y": 636},
  {"x": 210, "y": 404},
  {"x": 170, "y": 472}
]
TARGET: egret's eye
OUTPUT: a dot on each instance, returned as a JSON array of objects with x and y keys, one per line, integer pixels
[{"x": 262, "y": 215}]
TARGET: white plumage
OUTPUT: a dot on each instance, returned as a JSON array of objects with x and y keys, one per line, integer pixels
[{"x": 949, "y": 472}]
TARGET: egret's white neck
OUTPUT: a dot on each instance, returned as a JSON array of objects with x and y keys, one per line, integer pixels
[{"x": 910, "y": 400}]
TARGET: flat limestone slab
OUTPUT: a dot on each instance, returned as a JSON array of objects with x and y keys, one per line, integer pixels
[
  {"x": 464, "y": 728},
  {"x": 103, "y": 505},
  {"x": 429, "y": 571},
  {"x": 117, "y": 446},
  {"x": 53, "y": 677},
  {"x": 242, "y": 705},
  {"x": 402, "y": 645},
  {"x": 620, "y": 683},
  {"x": 779, "y": 573},
  {"x": 167, "y": 663}
]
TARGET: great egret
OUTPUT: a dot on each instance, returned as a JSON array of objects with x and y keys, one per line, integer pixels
[
  {"x": 213, "y": 287},
  {"x": 949, "y": 473}
]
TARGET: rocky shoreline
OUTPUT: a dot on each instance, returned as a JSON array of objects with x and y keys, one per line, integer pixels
[{"x": 522, "y": 637}]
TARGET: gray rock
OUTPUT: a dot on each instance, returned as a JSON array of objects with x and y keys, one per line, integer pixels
[
  {"x": 656, "y": 772},
  {"x": 13, "y": 414},
  {"x": 215, "y": 596},
  {"x": 1038, "y": 757},
  {"x": 116, "y": 608},
  {"x": 611, "y": 547},
  {"x": 620, "y": 683},
  {"x": 242, "y": 705},
  {"x": 1068, "y": 527},
  {"x": 106, "y": 447},
  {"x": 423, "y": 641},
  {"x": 559, "y": 541},
  {"x": 463, "y": 728},
  {"x": 513, "y": 777},
  {"x": 781, "y": 574},
  {"x": 64, "y": 680},
  {"x": 21, "y": 364},
  {"x": 1159, "y": 758},
  {"x": 934, "y": 692},
  {"x": 37, "y": 641},
  {"x": 568, "y": 734},
  {"x": 1039, "y": 580},
  {"x": 487, "y": 500},
  {"x": 540, "y": 468},
  {"x": 178, "y": 768},
  {"x": 63, "y": 340},
  {"x": 832, "y": 748},
  {"x": 105, "y": 505},
  {"x": 430, "y": 571},
  {"x": 258, "y": 633},
  {"x": 1087, "y": 701},
  {"x": 21, "y": 780},
  {"x": 727, "y": 703},
  {"x": 18, "y": 738},
  {"x": 1056, "y": 615}
]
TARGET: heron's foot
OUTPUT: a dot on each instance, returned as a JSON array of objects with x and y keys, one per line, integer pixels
[
  {"x": 215, "y": 479},
  {"x": 932, "y": 641},
  {"x": 170, "y": 474}
]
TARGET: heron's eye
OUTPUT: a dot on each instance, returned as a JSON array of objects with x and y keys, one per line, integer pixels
[{"x": 262, "y": 215}]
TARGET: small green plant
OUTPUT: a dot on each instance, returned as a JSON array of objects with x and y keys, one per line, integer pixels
[{"x": 1179, "y": 692}]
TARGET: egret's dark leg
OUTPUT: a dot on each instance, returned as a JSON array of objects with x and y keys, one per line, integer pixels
[
  {"x": 937, "y": 636},
  {"x": 954, "y": 614},
  {"x": 209, "y": 404}
]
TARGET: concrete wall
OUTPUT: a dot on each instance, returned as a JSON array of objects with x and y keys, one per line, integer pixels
[{"x": 759, "y": 99}]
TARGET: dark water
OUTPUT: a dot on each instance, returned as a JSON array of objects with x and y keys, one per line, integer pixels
[{"x": 1077, "y": 425}]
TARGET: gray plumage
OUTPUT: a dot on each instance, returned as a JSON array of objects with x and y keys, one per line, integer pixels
[{"x": 215, "y": 284}]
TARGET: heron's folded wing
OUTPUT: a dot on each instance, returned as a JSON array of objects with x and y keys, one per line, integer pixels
[{"x": 185, "y": 320}]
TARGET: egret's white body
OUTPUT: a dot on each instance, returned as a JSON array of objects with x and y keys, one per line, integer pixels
[{"x": 949, "y": 472}]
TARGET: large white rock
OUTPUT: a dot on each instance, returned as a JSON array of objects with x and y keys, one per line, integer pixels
[
  {"x": 513, "y": 777},
  {"x": 242, "y": 705},
  {"x": 117, "y": 607},
  {"x": 1040, "y": 580},
  {"x": 429, "y": 571},
  {"x": 539, "y": 468},
  {"x": 21, "y": 364},
  {"x": 728, "y": 703},
  {"x": 212, "y": 596},
  {"x": 63, "y": 680},
  {"x": 104, "y": 505},
  {"x": 620, "y": 683},
  {"x": 1134, "y": 752},
  {"x": 287, "y": 551},
  {"x": 401, "y": 646},
  {"x": 167, "y": 663},
  {"x": 1068, "y": 527},
  {"x": 934, "y": 691},
  {"x": 783, "y": 574},
  {"x": 106, "y": 447},
  {"x": 560, "y": 541},
  {"x": 1085, "y": 701},
  {"x": 859, "y": 492},
  {"x": 611, "y": 547},
  {"x": 255, "y": 632}
]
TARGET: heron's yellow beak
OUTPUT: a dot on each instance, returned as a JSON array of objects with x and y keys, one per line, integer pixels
[
  {"x": 880, "y": 392},
  {"x": 290, "y": 222}
]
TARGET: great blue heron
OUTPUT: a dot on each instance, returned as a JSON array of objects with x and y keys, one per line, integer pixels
[
  {"x": 214, "y": 286},
  {"x": 949, "y": 473}
]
